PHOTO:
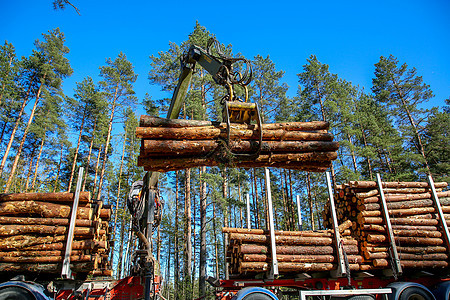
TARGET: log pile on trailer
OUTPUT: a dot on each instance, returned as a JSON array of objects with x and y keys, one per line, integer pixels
[
  {"x": 248, "y": 251},
  {"x": 169, "y": 145},
  {"x": 418, "y": 236},
  {"x": 413, "y": 217},
  {"x": 34, "y": 228}
]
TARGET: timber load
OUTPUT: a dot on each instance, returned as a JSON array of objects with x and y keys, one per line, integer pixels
[
  {"x": 419, "y": 238},
  {"x": 248, "y": 251},
  {"x": 170, "y": 145},
  {"x": 33, "y": 234}
]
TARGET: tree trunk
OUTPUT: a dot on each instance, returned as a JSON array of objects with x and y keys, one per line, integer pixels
[
  {"x": 117, "y": 199},
  {"x": 37, "y": 162},
  {"x": 91, "y": 144},
  {"x": 188, "y": 237},
  {"x": 310, "y": 200},
  {"x": 108, "y": 138},
  {"x": 96, "y": 168},
  {"x": 16, "y": 126},
  {"x": 176, "y": 256},
  {"x": 22, "y": 142},
  {"x": 74, "y": 164},
  {"x": 59, "y": 168},
  {"x": 225, "y": 217},
  {"x": 202, "y": 273}
]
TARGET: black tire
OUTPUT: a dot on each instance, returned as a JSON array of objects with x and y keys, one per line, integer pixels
[
  {"x": 414, "y": 293},
  {"x": 257, "y": 296},
  {"x": 15, "y": 293}
]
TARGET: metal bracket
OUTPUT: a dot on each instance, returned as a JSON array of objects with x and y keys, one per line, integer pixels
[
  {"x": 341, "y": 268},
  {"x": 249, "y": 226},
  {"x": 274, "y": 269},
  {"x": 299, "y": 211},
  {"x": 66, "y": 272},
  {"x": 438, "y": 207},
  {"x": 396, "y": 267}
]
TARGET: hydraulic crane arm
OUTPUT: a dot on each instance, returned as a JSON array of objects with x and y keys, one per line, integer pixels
[{"x": 224, "y": 72}]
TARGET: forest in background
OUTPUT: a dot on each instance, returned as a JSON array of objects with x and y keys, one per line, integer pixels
[{"x": 46, "y": 135}]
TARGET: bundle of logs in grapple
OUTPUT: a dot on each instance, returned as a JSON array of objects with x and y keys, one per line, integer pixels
[
  {"x": 169, "y": 145},
  {"x": 413, "y": 216},
  {"x": 249, "y": 251},
  {"x": 34, "y": 228}
]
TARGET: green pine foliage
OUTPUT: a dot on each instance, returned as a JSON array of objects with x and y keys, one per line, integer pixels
[{"x": 384, "y": 131}]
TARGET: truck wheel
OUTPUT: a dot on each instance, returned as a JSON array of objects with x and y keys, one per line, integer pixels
[
  {"x": 15, "y": 293},
  {"x": 257, "y": 296},
  {"x": 414, "y": 293}
]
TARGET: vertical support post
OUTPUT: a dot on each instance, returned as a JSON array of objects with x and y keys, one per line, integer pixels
[
  {"x": 274, "y": 270},
  {"x": 66, "y": 272},
  {"x": 396, "y": 267},
  {"x": 299, "y": 211},
  {"x": 341, "y": 268},
  {"x": 249, "y": 226},
  {"x": 438, "y": 207}
]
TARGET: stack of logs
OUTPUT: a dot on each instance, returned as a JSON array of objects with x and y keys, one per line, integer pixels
[
  {"x": 249, "y": 251},
  {"x": 418, "y": 236},
  {"x": 169, "y": 145},
  {"x": 34, "y": 227}
]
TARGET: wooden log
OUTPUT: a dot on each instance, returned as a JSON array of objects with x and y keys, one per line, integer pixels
[
  {"x": 76, "y": 245},
  {"x": 211, "y": 132},
  {"x": 44, "y": 259},
  {"x": 46, "y": 221},
  {"x": 105, "y": 214},
  {"x": 61, "y": 197},
  {"x": 294, "y": 250},
  {"x": 289, "y": 258},
  {"x": 21, "y": 241},
  {"x": 43, "y": 268},
  {"x": 303, "y": 161},
  {"x": 422, "y": 250},
  {"x": 408, "y": 240},
  {"x": 395, "y": 213},
  {"x": 344, "y": 226},
  {"x": 406, "y": 197},
  {"x": 11, "y": 230},
  {"x": 151, "y": 121},
  {"x": 285, "y": 240},
  {"x": 43, "y": 253},
  {"x": 306, "y": 233},
  {"x": 383, "y": 263},
  {"x": 430, "y": 256},
  {"x": 201, "y": 147},
  {"x": 44, "y": 209},
  {"x": 373, "y": 184}
]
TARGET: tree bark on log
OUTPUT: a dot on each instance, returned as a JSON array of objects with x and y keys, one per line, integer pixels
[
  {"x": 316, "y": 233},
  {"x": 285, "y": 240},
  {"x": 62, "y": 197},
  {"x": 294, "y": 250},
  {"x": 202, "y": 147},
  {"x": 44, "y": 209},
  {"x": 45, "y": 259},
  {"x": 13, "y": 230},
  {"x": 46, "y": 221},
  {"x": 151, "y": 121},
  {"x": 45, "y": 268},
  {"x": 210, "y": 133},
  {"x": 373, "y": 184}
]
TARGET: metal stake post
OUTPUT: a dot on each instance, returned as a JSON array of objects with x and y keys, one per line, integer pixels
[
  {"x": 396, "y": 267},
  {"x": 341, "y": 270},
  {"x": 274, "y": 271},
  {"x": 249, "y": 226},
  {"x": 438, "y": 207},
  {"x": 299, "y": 211},
  {"x": 66, "y": 272}
]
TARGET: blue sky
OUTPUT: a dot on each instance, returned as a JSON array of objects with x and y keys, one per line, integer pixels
[{"x": 349, "y": 36}]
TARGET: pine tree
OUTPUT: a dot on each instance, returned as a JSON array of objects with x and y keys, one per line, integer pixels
[
  {"x": 402, "y": 90},
  {"x": 52, "y": 67},
  {"x": 437, "y": 141},
  {"x": 118, "y": 78},
  {"x": 268, "y": 92}
]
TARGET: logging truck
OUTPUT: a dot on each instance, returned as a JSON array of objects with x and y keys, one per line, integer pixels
[{"x": 384, "y": 240}]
